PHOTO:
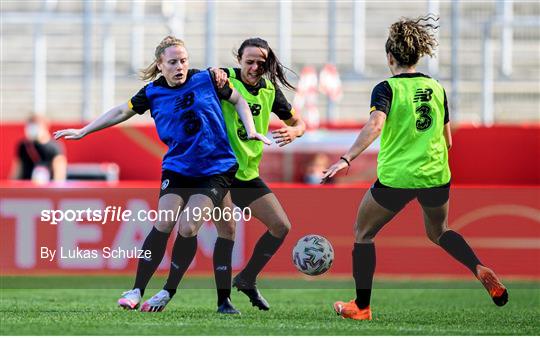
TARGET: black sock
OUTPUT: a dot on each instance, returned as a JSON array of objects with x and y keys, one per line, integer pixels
[
  {"x": 156, "y": 242},
  {"x": 265, "y": 248},
  {"x": 222, "y": 268},
  {"x": 457, "y": 247},
  {"x": 364, "y": 260},
  {"x": 182, "y": 255}
]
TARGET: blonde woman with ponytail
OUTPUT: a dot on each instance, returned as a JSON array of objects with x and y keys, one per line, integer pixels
[
  {"x": 198, "y": 167},
  {"x": 410, "y": 113}
]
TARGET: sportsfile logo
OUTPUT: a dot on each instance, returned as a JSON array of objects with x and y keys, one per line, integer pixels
[
  {"x": 119, "y": 214},
  {"x": 21, "y": 212},
  {"x": 109, "y": 214}
]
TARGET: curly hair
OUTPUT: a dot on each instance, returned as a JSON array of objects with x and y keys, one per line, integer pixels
[
  {"x": 410, "y": 39},
  {"x": 151, "y": 72}
]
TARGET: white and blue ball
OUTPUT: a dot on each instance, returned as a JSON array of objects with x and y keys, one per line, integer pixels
[{"x": 313, "y": 255}]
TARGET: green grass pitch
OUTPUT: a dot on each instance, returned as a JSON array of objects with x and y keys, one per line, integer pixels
[{"x": 87, "y": 306}]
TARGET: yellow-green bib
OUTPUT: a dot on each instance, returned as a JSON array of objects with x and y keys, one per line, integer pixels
[
  {"x": 413, "y": 150},
  {"x": 248, "y": 152}
]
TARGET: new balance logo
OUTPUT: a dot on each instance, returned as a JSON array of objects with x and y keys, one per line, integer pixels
[
  {"x": 164, "y": 184},
  {"x": 214, "y": 191},
  {"x": 423, "y": 95},
  {"x": 221, "y": 268}
]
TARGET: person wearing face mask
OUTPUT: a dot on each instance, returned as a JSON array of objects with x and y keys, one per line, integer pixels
[
  {"x": 39, "y": 157},
  {"x": 314, "y": 168}
]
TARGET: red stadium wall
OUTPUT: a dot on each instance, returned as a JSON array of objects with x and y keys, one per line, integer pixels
[
  {"x": 137, "y": 150},
  {"x": 497, "y": 155},
  {"x": 502, "y": 223}
]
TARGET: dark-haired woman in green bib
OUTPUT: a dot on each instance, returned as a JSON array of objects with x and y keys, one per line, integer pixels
[
  {"x": 410, "y": 113},
  {"x": 257, "y": 81}
]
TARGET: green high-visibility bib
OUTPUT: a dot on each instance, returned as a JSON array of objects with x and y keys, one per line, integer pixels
[
  {"x": 248, "y": 152},
  {"x": 413, "y": 151}
]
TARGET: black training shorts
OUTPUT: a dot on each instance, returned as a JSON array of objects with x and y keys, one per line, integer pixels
[
  {"x": 243, "y": 193},
  {"x": 215, "y": 186},
  {"x": 396, "y": 198}
]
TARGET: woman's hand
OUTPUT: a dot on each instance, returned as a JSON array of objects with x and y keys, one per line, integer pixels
[
  {"x": 69, "y": 134},
  {"x": 259, "y": 137},
  {"x": 334, "y": 168},
  {"x": 285, "y": 135},
  {"x": 220, "y": 75}
]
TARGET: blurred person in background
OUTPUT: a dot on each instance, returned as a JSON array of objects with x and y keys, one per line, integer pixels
[
  {"x": 315, "y": 167},
  {"x": 258, "y": 80},
  {"x": 410, "y": 112},
  {"x": 198, "y": 167},
  {"x": 39, "y": 158}
]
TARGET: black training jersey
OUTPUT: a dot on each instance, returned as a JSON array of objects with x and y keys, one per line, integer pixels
[{"x": 140, "y": 103}]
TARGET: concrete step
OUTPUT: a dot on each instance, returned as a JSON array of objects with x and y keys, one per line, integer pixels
[{"x": 64, "y": 49}]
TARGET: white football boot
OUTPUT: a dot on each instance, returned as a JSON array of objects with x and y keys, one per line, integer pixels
[
  {"x": 157, "y": 303},
  {"x": 130, "y": 300}
]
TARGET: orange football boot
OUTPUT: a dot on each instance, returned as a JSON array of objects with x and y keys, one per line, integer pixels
[
  {"x": 351, "y": 310},
  {"x": 493, "y": 285}
]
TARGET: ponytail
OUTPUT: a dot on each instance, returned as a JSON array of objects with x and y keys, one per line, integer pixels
[
  {"x": 273, "y": 68},
  {"x": 151, "y": 71}
]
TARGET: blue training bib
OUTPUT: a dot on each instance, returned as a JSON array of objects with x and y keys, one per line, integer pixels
[{"x": 189, "y": 120}]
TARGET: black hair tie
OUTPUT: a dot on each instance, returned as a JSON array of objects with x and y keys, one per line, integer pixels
[{"x": 348, "y": 164}]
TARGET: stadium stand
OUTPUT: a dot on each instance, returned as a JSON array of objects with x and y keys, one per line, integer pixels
[{"x": 518, "y": 93}]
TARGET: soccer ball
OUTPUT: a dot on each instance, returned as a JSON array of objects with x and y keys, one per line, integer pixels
[{"x": 313, "y": 255}]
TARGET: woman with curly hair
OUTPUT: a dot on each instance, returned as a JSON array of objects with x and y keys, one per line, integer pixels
[{"x": 410, "y": 113}]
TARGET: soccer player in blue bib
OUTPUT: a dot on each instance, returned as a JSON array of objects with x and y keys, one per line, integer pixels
[{"x": 198, "y": 167}]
